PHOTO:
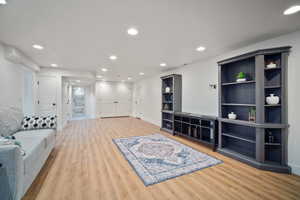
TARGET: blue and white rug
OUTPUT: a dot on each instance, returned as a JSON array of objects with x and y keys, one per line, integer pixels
[{"x": 157, "y": 158}]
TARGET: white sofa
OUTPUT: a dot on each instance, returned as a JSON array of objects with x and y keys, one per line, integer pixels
[{"x": 19, "y": 171}]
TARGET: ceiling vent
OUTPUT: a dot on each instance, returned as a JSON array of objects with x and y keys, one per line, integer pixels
[{"x": 18, "y": 57}]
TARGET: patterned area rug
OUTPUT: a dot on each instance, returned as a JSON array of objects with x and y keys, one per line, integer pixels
[{"x": 157, "y": 158}]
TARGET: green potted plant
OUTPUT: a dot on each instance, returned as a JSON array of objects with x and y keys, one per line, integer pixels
[
  {"x": 241, "y": 77},
  {"x": 252, "y": 114}
]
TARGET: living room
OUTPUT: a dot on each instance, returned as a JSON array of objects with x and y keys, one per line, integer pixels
[{"x": 153, "y": 100}]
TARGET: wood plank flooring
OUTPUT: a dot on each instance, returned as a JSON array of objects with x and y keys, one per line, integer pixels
[{"x": 86, "y": 165}]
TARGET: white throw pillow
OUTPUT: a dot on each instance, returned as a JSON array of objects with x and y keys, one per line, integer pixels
[{"x": 10, "y": 120}]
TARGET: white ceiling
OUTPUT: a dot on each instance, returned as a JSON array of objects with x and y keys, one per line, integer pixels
[{"x": 81, "y": 34}]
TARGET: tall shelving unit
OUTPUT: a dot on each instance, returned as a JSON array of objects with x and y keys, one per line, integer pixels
[
  {"x": 171, "y": 100},
  {"x": 249, "y": 141}
]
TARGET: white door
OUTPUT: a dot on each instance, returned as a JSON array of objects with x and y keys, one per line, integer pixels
[
  {"x": 113, "y": 99},
  {"x": 47, "y": 95}
]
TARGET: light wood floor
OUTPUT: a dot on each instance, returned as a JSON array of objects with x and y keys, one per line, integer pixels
[{"x": 86, "y": 165}]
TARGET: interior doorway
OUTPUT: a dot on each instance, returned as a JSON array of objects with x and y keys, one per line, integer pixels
[{"x": 78, "y": 102}]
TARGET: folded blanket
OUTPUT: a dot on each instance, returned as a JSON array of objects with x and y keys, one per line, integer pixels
[{"x": 10, "y": 140}]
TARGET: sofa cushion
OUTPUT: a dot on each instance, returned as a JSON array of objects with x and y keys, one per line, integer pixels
[
  {"x": 34, "y": 144},
  {"x": 10, "y": 120},
  {"x": 38, "y": 122}
]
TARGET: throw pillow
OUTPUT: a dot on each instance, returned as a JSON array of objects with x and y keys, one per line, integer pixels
[
  {"x": 39, "y": 122},
  {"x": 10, "y": 120}
]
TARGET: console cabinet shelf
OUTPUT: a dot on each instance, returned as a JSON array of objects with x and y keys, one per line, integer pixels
[
  {"x": 258, "y": 136},
  {"x": 199, "y": 128}
]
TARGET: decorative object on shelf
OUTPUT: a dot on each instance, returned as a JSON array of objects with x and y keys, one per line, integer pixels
[
  {"x": 166, "y": 106},
  {"x": 252, "y": 114},
  {"x": 168, "y": 90},
  {"x": 241, "y": 77},
  {"x": 270, "y": 137},
  {"x": 271, "y": 65},
  {"x": 169, "y": 126},
  {"x": 195, "y": 132},
  {"x": 232, "y": 115},
  {"x": 272, "y": 99}
]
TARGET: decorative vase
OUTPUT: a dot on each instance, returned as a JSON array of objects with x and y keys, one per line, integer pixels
[
  {"x": 241, "y": 80},
  {"x": 168, "y": 89},
  {"x": 272, "y": 99},
  {"x": 166, "y": 107},
  {"x": 271, "y": 65},
  {"x": 232, "y": 115}
]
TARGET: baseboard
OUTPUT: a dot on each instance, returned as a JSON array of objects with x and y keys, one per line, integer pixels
[
  {"x": 115, "y": 117},
  {"x": 295, "y": 169},
  {"x": 150, "y": 121}
]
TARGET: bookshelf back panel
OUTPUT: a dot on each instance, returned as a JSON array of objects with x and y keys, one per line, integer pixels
[
  {"x": 236, "y": 145},
  {"x": 272, "y": 77},
  {"x": 243, "y": 94},
  {"x": 246, "y": 132}
]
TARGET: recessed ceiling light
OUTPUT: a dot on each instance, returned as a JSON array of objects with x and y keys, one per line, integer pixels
[
  {"x": 78, "y": 81},
  {"x": 129, "y": 78},
  {"x": 201, "y": 48},
  {"x": 37, "y": 46},
  {"x": 99, "y": 76},
  {"x": 54, "y": 65},
  {"x": 132, "y": 31},
  {"x": 2, "y": 2},
  {"x": 113, "y": 57},
  {"x": 142, "y": 73},
  {"x": 104, "y": 69},
  {"x": 163, "y": 64},
  {"x": 292, "y": 10}
]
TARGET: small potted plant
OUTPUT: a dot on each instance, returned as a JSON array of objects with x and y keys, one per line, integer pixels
[
  {"x": 241, "y": 77},
  {"x": 252, "y": 114}
]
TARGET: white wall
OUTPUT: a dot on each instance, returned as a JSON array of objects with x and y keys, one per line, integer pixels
[
  {"x": 12, "y": 85},
  {"x": 198, "y": 97},
  {"x": 90, "y": 101}
]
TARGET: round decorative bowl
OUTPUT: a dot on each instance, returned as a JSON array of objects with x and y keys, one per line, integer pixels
[
  {"x": 271, "y": 65},
  {"x": 272, "y": 99},
  {"x": 232, "y": 115}
]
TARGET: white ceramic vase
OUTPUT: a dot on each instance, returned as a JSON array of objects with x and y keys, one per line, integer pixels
[
  {"x": 168, "y": 89},
  {"x": 272, "y": 99},
  {"x": 232, "y": 115}
]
